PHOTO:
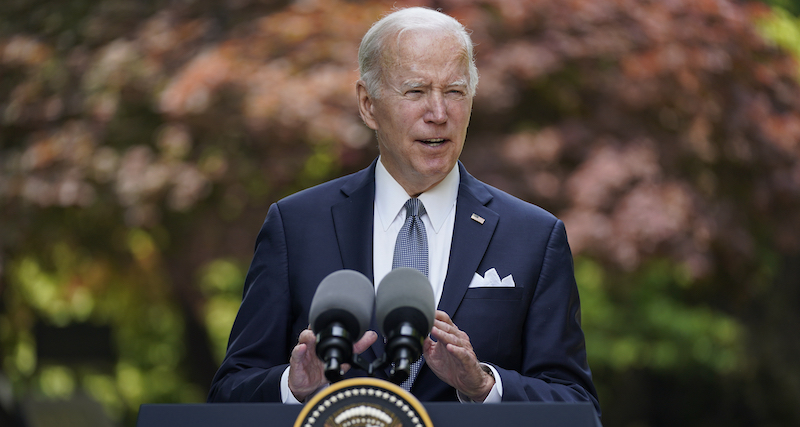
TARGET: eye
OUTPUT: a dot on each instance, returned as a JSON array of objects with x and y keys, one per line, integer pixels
[{"x": 414, "y": 93}]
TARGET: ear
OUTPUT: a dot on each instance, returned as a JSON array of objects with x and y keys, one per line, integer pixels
[{"x": 366, "y": 106}]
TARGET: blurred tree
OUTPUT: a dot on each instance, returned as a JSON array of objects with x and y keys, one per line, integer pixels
[
  {"x": 141, "y": 146},
  {"x": 142, "y": 142},
  {"x": 666, "y": 136}
]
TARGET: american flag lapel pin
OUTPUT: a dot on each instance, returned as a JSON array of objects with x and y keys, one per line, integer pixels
[{"x": 477, "y": 218}]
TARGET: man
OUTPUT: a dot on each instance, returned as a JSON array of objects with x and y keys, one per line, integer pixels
[{"x": 507, "y": 326}]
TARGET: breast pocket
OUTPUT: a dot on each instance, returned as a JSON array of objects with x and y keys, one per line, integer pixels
[
  {"x": 492, "y": 318},
  {"x": 494, "y": 293}
]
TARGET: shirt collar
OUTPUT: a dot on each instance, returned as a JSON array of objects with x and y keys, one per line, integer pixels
[{"x": 390, "y": 197}]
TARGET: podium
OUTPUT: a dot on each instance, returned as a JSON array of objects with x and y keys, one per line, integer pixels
[{"x": 444, "y": 414}]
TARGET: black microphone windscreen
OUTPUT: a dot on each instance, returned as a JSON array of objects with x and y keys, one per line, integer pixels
[
  {"x": 346, "y": 296},
  {"x": 407, "y": 292}
]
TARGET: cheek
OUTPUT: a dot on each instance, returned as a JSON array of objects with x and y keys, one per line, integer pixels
[
  {"x": 398, "y": 120},
  {"x": 407, "y": 117},
  {"x": 461, "y": 112}
]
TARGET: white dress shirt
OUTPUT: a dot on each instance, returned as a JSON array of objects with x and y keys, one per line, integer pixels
[{"x": 389, "y": 216}]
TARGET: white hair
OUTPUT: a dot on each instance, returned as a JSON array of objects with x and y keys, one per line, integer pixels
[{"x": 394, "y": 24}]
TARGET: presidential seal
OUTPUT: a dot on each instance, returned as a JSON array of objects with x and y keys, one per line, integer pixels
[{"x": 363, "y": 402}]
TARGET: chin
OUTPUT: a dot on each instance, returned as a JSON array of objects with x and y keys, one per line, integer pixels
[
  {"x": 439, "y": 167},
  {"x": 434, "y": 176}
]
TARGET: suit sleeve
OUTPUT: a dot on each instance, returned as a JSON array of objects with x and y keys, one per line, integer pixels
[
  {"x": 260, "y": 345},
  {"x": 554, "y": 366}
]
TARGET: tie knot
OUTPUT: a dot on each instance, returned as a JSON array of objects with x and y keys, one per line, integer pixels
[{"x": 414, "y": 207}]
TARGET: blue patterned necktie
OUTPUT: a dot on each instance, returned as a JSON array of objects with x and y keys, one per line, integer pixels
[{"x": 411, "y": 250}]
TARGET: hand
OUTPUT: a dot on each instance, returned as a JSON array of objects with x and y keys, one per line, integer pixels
[
  {"x": 307, "y": 371},
  {"x": 452, "y": 359}
]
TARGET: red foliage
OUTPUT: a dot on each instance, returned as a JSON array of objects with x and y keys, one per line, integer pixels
[{"x": 653, "y": 128}]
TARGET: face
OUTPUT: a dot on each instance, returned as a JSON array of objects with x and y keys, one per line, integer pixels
[{"x": 422, "y": 112}]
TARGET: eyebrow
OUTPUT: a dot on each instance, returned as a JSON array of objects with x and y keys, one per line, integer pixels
[
  {"x": 414, "y": 84},
  {"x": 418, "y": 84}
]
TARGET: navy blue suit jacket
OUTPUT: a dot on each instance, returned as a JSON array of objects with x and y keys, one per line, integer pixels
[{"x": 530, "y": 333}]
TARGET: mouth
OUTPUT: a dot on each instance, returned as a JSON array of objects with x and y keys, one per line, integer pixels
[{"x": 433, "y": 142}]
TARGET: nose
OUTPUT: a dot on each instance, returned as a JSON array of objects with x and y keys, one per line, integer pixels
[{"x": 437, "y": 108}]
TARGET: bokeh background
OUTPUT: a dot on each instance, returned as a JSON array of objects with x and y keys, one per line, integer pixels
[{"x": 141, "y": 143}]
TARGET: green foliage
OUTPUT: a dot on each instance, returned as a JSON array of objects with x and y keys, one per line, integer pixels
[
  {"x": 221, "y": 282},
  {"x": 792, "y": 6},
  {"x": 783, "y": 28},
  {"x": 637, "y": 321},
  {"x": 71, "y": 287}
]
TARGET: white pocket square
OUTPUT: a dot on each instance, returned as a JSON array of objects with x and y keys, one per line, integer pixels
[{"x": 491, "y": 279}]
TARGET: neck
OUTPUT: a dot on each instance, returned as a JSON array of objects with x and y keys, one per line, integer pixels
[{"x": 414, "y": 187}]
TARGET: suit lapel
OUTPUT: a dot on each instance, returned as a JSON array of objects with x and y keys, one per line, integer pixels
[
  {"x": 470, "y": 239},
  {"x": 353, "y": 221}
]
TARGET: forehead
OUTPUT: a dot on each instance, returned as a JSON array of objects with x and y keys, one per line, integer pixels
[{"x": 426, "y": 51}]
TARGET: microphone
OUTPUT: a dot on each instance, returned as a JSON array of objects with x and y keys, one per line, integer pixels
[
  {"x": 405, "y": 310},
  {"x": 340, "y": 313}
]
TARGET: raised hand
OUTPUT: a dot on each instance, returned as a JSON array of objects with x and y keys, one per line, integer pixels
[
  {"x": 452, "y": 359},
  {"x": 307, "y": 371}
]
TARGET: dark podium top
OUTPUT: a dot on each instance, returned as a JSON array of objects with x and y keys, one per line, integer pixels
[{"x": 442, "y": 414}]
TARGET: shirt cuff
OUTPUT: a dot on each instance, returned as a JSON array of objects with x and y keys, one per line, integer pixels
[
  {"x": 287, "y": 396},
  {"x": 495, "y": 394}
]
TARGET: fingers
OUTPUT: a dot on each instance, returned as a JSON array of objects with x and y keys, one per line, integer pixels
[
  {"x": 304, "y": 351},
  {"x": 447, "y": 332},
  {"x": 441, "y": 324},
  {"x": 443, "y": 317},
  {"x": 361, "y": 345},
  {"x": 306, "y": 345},
  {"x": 453, "y": 360},
  {"x": 367, "y": 340},
  {"x": 427, "y": 346},
  {"x": 450, "y": 340},
  {"x": 463, "y": 354},
  {"x": 445, "y": 325},
  {"x": 305, "y": 371},
  {"x": 307, "y": 337},
  {"x": 298, "y": 352}
]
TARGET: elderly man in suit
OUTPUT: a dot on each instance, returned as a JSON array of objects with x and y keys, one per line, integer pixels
[{"x": 507, "y": 326}]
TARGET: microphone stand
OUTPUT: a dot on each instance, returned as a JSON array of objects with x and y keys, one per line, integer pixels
[
  {"x": 404, "y": 343},
  {"x": 334, "y": 345}
]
